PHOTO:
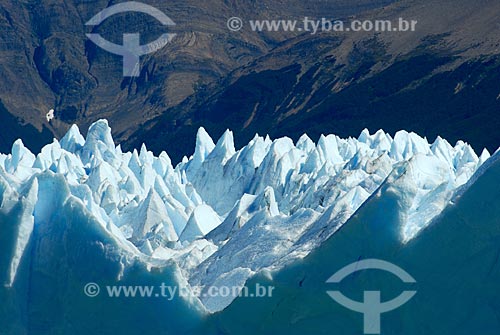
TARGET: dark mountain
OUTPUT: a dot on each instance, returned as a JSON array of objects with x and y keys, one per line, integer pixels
[
  {"x": 46, "y": 61},
  {"x": 443, "y": 79}
]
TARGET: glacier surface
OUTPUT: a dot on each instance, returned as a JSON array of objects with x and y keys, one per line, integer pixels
[{"x": 217, "y": 218}]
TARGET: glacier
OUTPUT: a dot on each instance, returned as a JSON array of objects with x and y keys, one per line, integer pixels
[
  {"x": 83, "y": 210},
  {"x": 455, "y": 261}
]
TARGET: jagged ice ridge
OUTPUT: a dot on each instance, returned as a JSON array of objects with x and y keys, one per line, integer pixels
[{"x": 223, "y": 214}]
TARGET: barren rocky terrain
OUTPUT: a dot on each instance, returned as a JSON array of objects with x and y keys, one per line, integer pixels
[{"x": 443, "y": 78}]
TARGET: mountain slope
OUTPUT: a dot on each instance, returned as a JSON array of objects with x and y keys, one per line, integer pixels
[
  {"x": 48, "y": 62},
  {"x": 439, "y": 80}
]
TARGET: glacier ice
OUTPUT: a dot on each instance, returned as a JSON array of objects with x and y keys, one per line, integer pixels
[
  {"x": 222, "y": 215},
  {"x": 454, "y": 260}
]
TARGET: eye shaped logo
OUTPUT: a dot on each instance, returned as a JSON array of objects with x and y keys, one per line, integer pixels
[
  {"x": 372, "y": 308},
  {"x": 131, "y": 50}
]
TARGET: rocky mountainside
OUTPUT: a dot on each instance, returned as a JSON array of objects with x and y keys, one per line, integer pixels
[
  {"x": 441, "y": 79},
  {"x": 46, "y": 61}
]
